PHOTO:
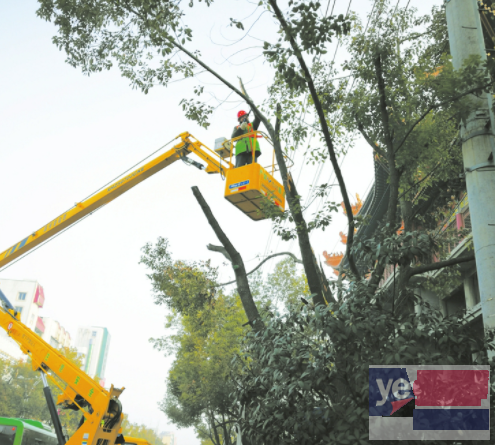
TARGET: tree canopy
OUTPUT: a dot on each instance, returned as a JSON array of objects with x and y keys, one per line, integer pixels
[{"x": 21, "y": 392}]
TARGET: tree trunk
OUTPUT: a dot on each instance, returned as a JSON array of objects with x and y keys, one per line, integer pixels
[
  {"x": 214, "y": 429},
  {"x": 326, "y": 133},
  {"x": 243, "y": 288}
]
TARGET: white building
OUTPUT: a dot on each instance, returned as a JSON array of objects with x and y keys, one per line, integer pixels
[
  {"x": 168, "y": 438},
  {"x": 55, "y": 334},
  {"x": 28, "y": 297},
  {"x": 93, "y": 342}
]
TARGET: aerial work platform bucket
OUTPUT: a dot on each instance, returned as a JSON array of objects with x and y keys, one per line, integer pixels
[{"x": 250, "y": 188}]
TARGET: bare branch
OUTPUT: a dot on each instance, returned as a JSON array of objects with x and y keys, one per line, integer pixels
[
  {"x": 440, "y": 265},
  {"x": 433, "y": 107},
  {"x": 220, "y": 249},
  {"x": 368, "y": 139},
  {"x": 207, "y": 68},
  {"x": 269, "y": 257}
]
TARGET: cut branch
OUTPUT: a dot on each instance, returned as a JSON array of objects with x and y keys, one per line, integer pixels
[
  {"x": 237, "y": 264},
  {"x": 440, "y": 265},
  {"x": 220, "y": 249},
  {"x": 269, "y": 257}
]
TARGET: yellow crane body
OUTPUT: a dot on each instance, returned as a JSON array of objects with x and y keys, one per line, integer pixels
[
  {"x": 135, "y": 441},
  {"x": 103, "y": 416}
]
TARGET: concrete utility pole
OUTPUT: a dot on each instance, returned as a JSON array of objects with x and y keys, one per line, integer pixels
[{"x": 478, "y": 151}]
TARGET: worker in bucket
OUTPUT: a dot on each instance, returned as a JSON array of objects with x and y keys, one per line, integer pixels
[{"x": 244, "y": 147}]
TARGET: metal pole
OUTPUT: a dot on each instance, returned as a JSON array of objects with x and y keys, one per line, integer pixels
[
  {"x": 478, "y": 151},
  {"x": 53, "y": 411}
]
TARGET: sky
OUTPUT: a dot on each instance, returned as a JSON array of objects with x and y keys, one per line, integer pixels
[{"x": 63, "y": 135}]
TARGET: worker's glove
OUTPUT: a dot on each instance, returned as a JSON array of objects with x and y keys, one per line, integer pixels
[{"x": 244, "y": 126}]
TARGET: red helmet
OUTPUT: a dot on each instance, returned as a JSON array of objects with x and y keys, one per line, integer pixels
[{"x": 240, "y": 114}]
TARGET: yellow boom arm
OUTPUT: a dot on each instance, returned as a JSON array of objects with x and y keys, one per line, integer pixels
[{"x": 189, "y": 144}]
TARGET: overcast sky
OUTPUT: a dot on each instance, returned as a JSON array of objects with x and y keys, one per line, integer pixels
[{"x": 64, "y": 135}]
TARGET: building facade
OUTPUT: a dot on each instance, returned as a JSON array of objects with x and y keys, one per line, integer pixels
[
  {"x": 55, "y": 334},
  {"x": 93, "y": 343},
  {"x": 168, "y": 438},
  {"x": 28, "y": 297},
  {"x": 462, "y": 297}
]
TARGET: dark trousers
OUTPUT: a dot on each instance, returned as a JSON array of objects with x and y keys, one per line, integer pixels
[{"x": 246, "y": 158}]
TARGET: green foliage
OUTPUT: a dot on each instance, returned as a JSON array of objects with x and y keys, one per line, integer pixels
[
  {"x": 184, "y": 288},
  {"x": 281, "y": 288},
  {"x": 305, "y": 377},
  {"x": 21, "y": 392},
  {"x": 205, "y": 329},
  {"x": 422, "y": 94},
  {"x": 399, "y": 248},
  {"x": 130, "y": 429},
  {"x": 199, "y": 381},
  {"x": 197, "y": 111},
  {"x": 311, "y": 31},
  {"x": 137, "y": 37}
]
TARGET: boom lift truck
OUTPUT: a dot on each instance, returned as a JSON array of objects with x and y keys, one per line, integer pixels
[{"x": 246, "y": 187}]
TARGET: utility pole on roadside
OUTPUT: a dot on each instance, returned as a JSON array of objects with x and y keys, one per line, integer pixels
[{"x": 478, "y": 150}]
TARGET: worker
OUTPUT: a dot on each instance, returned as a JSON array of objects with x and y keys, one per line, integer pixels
[{"x": 244, "y": 147}]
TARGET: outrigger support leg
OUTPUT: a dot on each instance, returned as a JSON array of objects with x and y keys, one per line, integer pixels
[{"x": 53, "y": 410}]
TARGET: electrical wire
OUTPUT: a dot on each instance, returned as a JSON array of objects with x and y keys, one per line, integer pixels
[
  {"x": 82, "y": 219},
  {"x": 310, "y": 198},
  {"x": 347, "y": 94},
  {"x": 128, "y": 170},
  {"x": 320, "y": 169},
  {"x": 47, "y": 241},
  {"x": 447, "y": 219}
]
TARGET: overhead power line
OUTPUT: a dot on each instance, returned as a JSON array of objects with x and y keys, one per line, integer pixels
[{"x": 319, "y": 169}]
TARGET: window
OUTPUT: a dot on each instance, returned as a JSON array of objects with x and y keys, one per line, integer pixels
[
  {"x": 477, "y": 297},
  {"x": 94, "y": 333},
  {"x": 18, "y": 309},
  {"x": 22, "y": 296},
  {"x": 31, "y": 437},
  {"x": 467, "y": 220},
  {"x": 7, "y": 434}
]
